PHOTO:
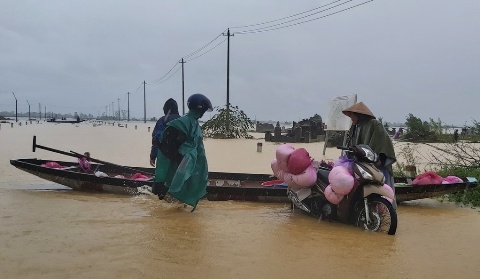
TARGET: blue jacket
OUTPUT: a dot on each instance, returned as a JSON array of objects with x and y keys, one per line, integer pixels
[{"x": 170, "y": 109}]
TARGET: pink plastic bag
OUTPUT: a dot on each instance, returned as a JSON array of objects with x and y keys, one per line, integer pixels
[
  {"x": 344, "y": 162},
  {"x": 138, "y": 176},
  {"x": 341, "y": 180},
  {"x": 452, "y": 179},
  {"x": 306, "y": 178},
  {"x": 331, "y": 196},
  {"x": 52, "y": 165},
  {"x": 282, "y": 154},
  {"x": 389, "y": 189},
  {"x": 275, "y": 167},
  {"x": 428, "y": 178},
  {"x": 298, "y": 161}
]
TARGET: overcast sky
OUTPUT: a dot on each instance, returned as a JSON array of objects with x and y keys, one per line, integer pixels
[{"x": 399, "y": 57}]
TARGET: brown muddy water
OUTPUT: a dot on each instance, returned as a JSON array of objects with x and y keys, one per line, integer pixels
[{"x": 48, "y": 233}]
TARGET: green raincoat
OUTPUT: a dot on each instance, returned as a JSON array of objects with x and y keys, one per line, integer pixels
[
  {"x": 187, "y": 181},
  {"x": 374, "y": 134}
]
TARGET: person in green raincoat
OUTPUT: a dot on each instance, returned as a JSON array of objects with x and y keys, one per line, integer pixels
[
  {"x": 182, "y": 169},
  {"x": 366, "y": 129}
]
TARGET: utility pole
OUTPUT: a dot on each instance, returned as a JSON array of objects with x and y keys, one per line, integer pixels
[
  {"x": 28, "y": 110},
  {"x": 228, "y": 78},
  {"x": 113, "y": 110},
  {"x": 183, "y": 88},
  {"x": 40, "y": 111},
  {"x": 144, "y": 104},
  {"x": 45, "y": 113},
  {"x": 16, "y": 107},
  {"x": 128, "y": 106},
  {"x": 106, "y": 112},
  {"x": 118, "y": 99}
]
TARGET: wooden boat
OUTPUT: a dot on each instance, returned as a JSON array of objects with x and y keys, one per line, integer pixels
[
  {"x": 221, "y": 186},
  {"x": 71, "y": 121}
]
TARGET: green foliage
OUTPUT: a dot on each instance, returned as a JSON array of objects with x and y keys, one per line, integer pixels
[
  {"x": 417, "y": 129},
  {"x": 461, "y": 160},
  {"x": 436, "y": 127},
  {"x": 470, "y": 196},
  {"x": 238, "y": 124}
]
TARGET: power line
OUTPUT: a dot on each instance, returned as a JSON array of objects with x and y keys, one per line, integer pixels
[
  {"x": 167, "y": 77},
  {"x": 162, "y": 77},
  {"x": 266, "y": 22},
  {"x": 272, "y": 27},
  {"x": 203, "y": 47},
  {"x": 207, "y": 51},
  {"x": 285, "y": 24}
]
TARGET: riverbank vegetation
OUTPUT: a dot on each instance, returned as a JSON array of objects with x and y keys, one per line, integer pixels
[{"x": 459, "y": 158}]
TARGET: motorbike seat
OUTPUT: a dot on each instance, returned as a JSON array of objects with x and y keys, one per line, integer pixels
[{"x": 322, "y": 175}]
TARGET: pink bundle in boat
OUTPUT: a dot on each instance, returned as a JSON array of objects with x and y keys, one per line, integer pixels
[
  {"x": 139, "y": 176},
  {"x": 452, "y": 179},
  {"x": 52, "y": 165},
  {"x": 428, "y": 178}
]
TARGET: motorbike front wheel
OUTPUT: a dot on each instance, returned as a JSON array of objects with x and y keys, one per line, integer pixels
[{"x": 383, "y": 217}]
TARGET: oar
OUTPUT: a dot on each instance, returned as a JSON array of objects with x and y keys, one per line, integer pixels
[{"x": 77, "y": 155}]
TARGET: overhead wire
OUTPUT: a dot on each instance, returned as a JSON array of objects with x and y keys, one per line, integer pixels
[
  {"x": 206, "y": 45},
  {"x": 266, "y": 22},
  {"x": 288, "y": 21},
  {"x": 207, "y": 50},
  {"x": 167, "y": 77},
  {"x": 272, "y": 27}
]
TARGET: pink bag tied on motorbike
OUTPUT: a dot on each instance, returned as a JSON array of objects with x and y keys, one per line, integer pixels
[
  {"x": 331, "y": 196},
  {"x": 275, "y": 167},
  {"x": 298, "y": 161},
  {"x": 282, "y": 153},
  {"x": 389, "y": 189},
  {"x": 452, "y": 179},
  {"x": 341, "y": 180},
  {"x": 304, "y": 179},
  {"x": 344, "y": 162},
  {"x": 428, "y": 178}
]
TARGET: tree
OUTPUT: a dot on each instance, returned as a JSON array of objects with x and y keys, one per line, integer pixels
[
  {"x": 417, "y": 129},
  {"x": 239, "y": 124}
]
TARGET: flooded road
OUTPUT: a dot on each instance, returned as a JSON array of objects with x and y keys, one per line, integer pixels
[{"x": 67, "y": 234}]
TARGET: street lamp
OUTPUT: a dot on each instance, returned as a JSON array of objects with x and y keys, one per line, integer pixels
[
  {"x": 28, "y": 110},
  {"x": 16, "y": 107}
]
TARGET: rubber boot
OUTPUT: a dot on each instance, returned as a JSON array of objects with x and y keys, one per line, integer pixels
[
  {"x": 155, "y": 188},
  {"x": 161, "y": 190}
]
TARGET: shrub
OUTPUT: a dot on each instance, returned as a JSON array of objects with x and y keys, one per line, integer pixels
[{"x": 238, "y": 124}]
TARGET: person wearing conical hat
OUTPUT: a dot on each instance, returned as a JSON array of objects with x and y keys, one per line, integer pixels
[{"x": 366, "y": 129}]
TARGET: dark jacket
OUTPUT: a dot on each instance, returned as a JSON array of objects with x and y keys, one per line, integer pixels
[{"x": 170, "y": 109}]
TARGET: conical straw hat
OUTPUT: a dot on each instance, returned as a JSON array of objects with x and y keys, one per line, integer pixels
[{"x": 360, "y": 108}]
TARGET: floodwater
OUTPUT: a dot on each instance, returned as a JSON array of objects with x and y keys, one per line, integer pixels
[{"x": 65, "y": 234}]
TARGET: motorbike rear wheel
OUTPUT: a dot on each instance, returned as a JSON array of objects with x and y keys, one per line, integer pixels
[{"x": 383, "y": 217}]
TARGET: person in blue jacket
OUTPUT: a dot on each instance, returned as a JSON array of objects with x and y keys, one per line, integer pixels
[{"x": 170, "y": 109}]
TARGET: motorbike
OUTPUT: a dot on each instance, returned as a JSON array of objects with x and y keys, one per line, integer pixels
[{"x": 366, "y": 206}]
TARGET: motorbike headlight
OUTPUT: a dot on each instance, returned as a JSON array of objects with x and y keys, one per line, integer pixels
[
  {"x": 365, "y": 174},
  {"x": 370, "y": 155}
]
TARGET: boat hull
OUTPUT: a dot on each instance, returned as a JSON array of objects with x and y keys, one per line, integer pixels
[{"x": 221, "y": 186}]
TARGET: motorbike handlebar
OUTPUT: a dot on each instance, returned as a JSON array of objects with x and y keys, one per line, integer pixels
[{"x": 343, "y": 147}]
